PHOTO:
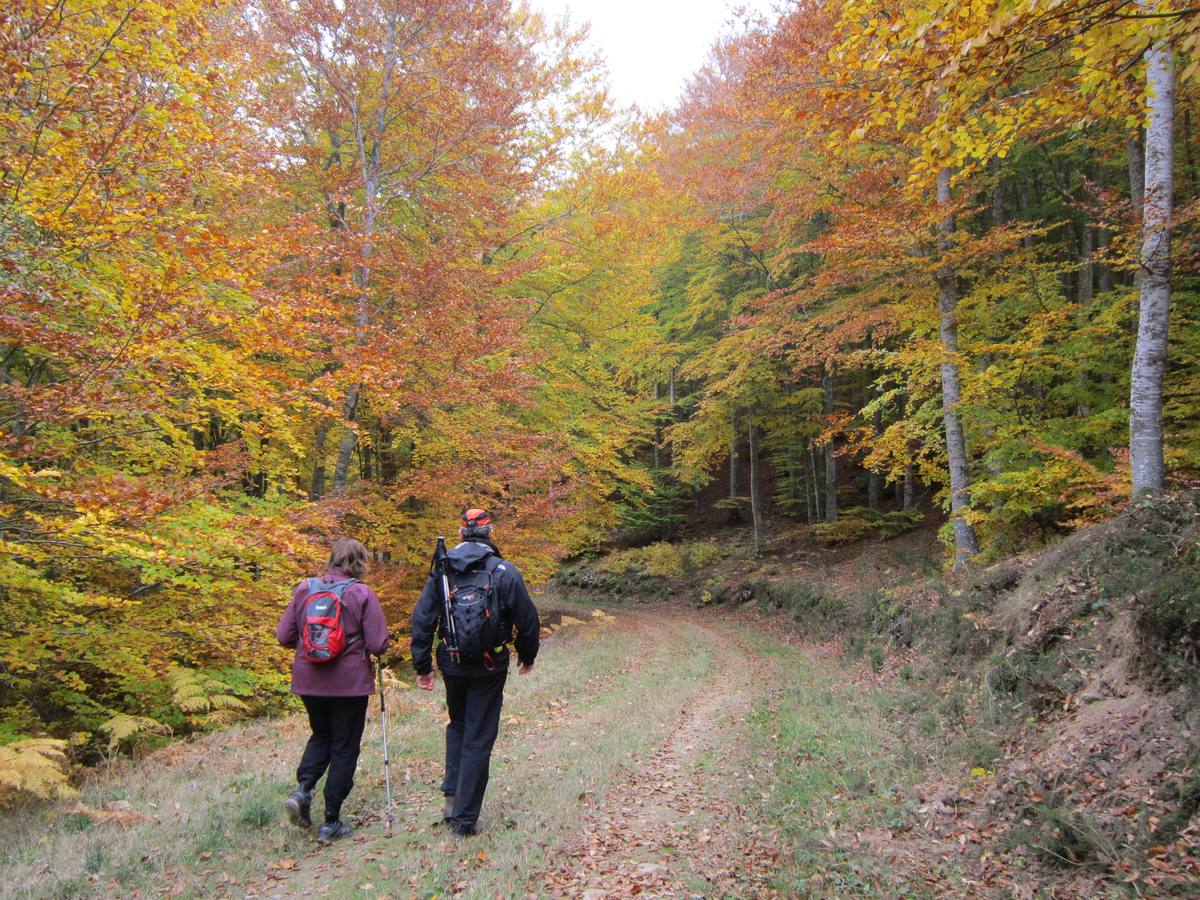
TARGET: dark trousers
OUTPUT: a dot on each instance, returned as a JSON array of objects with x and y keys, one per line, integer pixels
[
  {"x": 474, "y": 706},
  {"x": 337, "y": 727}
]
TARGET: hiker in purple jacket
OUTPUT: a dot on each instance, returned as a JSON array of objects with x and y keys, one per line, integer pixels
[{"x": 335, "y": 691}]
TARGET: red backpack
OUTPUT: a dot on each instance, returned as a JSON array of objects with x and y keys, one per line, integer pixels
[{"x": 322, "y": 634}]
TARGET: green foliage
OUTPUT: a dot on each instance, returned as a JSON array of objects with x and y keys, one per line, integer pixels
[
  {"x": 656, "y": 511},
  {"x": 204, "y": 697},
  {"x": 700, "y": 554}
]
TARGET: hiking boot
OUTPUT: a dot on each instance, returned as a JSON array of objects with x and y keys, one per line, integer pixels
[
  {"x": 463, "y": 830},
  {"x": 333, "y": 831},
  {"x": 298, "y": 807}
]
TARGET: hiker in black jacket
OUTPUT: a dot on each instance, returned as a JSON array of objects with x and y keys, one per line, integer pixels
[{"x": 474, "y": 689}]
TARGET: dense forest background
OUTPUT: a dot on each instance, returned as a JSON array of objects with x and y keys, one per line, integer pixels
[{"x": 274, "y": 272}]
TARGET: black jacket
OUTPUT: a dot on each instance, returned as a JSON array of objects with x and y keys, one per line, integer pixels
[{"x": 516, "y": 609}]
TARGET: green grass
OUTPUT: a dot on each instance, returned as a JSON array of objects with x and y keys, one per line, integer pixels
[{"x": 839, "y": 769}]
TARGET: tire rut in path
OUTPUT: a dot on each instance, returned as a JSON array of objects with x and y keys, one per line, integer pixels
[{"x": 684, "y": 822}]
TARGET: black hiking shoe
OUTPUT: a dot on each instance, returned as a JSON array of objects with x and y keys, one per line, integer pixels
[
  {"x": 298, "y": 807},
  {"x": 463, "y": 830},
  {"x": 333, "y": 831}
]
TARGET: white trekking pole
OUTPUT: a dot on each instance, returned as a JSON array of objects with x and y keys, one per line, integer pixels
[{"x": 387, "y": 775}]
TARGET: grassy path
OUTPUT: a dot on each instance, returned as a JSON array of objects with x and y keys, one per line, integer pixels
[{"x": 657, "y": 754}]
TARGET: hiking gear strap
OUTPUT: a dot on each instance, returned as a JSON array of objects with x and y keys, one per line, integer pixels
[{"x": 441, "y": 562}]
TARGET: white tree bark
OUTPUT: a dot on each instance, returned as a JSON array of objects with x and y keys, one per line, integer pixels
[
  {"x": 1150, "y": 354},
  {"x": 966, "y": 544}
]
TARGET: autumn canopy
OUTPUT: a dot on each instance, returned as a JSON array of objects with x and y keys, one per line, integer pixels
[{"x": 277, "y": 271}]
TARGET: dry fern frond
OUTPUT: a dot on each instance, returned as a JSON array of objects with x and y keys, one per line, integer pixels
[{"x": 37, "y": 767}]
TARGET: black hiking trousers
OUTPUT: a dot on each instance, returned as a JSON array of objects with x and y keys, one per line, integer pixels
[
  {"x": 337, "y": 727},
  {"x": 474, "y": 706}
]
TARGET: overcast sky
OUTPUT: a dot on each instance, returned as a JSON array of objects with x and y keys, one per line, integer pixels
[{"x": 651, "y": 46}]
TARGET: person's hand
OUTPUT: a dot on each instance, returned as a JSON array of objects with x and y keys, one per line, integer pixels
[
  {"x": 425, "y": 682},
  {"x": 524, "y": 668}
]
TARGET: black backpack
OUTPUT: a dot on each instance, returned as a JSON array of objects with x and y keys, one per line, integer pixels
[{"x": 475, "y": 606}]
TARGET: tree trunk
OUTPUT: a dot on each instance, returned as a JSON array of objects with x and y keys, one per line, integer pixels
[
  {"x": 1084, "y": 291},
  {"x": 810, "y": 512},
  {"x": 793, "y": 479},
  {"x": 875, "y": 479},
  {"x": 831, "y": 504},
  {"x": 364, "y": 462},
  {"x": 998, "y": 216},
  {"x": 1026, "y": 192},
  {"x": 1103, "y": 237},
  {"x": 812, "y": 468},
  {"x": 756, "y": 514},
  {"x": 341, "y": 468},
  {"x": 1189, "y": 150},
  {"x": 965, "y": 543},
  {"x": 387, "y": 456},
  {"x": 671, "y": 417},
  {"x": 657, "y": 427},
  {"x": 734, "y": 478},
  {"x": 369, "y": 147},
  {"x": 910, "y": 483},
  {"x": 1137, "y": 174},
  {"x": 317, "y": 489},
  {"x": 1150, "y": 354}
]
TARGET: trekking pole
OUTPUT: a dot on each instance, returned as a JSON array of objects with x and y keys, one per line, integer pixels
[
  {"x": 387, "y": 775},
  {"x": 440, "y": 558}
]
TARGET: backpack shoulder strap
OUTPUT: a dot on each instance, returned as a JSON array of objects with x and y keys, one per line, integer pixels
[{"x": 342, "y": 586}]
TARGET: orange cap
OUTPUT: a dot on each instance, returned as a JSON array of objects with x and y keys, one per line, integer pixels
[{"x": 476, "y": 518}]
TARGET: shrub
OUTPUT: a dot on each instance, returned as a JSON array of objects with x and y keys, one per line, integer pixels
[
  {"x": 662, "y": 560},
  {"x": 700, "y": 554},
  {"x": 857, "y": 522},
  {"x": 622, "y": 562}
]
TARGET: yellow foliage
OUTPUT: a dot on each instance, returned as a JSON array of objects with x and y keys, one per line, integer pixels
[
  {"x": 35, "y": 768},
  {"x": 663, "y": 560}
]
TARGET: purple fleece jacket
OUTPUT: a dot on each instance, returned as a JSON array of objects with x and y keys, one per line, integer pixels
[{"x": 350, "y": 674}]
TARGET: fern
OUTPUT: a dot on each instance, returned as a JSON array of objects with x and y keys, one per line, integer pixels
[
  {"x": 121, "y": 728},
  {"x": 204, "y": 698},
  {"x": 37, "y": 768}
]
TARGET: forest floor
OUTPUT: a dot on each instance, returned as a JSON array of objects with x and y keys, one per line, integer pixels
[
  {"x": 811, "y": 724},
  {"x": 645, "y": 755}
]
